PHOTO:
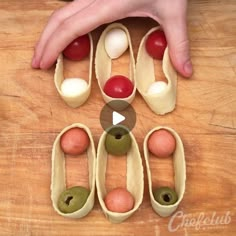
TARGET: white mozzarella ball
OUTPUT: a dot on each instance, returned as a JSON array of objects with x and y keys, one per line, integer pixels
[
  {"x": 116, "y": 43},
  {"x": 73, "y": 87},
  {"x": 157, "y": 87}
]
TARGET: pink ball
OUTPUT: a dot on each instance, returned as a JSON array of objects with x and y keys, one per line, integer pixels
[
  {"x": 119, "y": 200},
  {"x": 161, "y": 143}
]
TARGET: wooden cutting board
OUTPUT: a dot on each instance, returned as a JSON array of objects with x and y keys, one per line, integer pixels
[{"x": 32, "y": 114}]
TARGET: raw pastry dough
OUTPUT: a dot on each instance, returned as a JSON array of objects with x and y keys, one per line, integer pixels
[
  {"x": 135, "y": 179},
  {"x": 160, "y": 103},
  {"x": 103, "y": 63},
  {"x": 58, "y": 181},
  {"x": 180, "y": 173},
  {"x": 73, "y": 101}
]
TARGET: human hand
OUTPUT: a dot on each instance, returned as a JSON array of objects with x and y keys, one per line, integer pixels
[{"x": 82, "y": 16}]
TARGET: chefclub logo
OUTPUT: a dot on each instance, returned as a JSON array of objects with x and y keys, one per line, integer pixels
[{"x": 199, "y": 221}]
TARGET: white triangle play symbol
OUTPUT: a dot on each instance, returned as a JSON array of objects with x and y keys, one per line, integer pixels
[{"x": 117, "y": 118}]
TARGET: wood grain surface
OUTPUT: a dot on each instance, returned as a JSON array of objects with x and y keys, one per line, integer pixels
[{"x": 32, "y": 114}]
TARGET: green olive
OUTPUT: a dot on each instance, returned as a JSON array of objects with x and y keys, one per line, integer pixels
[
  {"x": 118, "y": 141},
  {"x": 73, "y": 199},
  {"x": 165, "y": 196}
]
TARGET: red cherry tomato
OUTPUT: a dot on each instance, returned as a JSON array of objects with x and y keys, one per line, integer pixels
[
  {"x": 156, "y": 44},
  {"x": 118, "y": 86},
  {"x": 78, "y": 49}
]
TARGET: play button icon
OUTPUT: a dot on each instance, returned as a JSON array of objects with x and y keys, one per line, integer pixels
[
  {"x": 118, "y": 112},
  {"x": 117, "y": 118}
]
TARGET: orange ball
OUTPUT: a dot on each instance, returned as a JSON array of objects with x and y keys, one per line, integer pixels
[
  {"x": 74, "y": 141},
  {"x": 119, "y": 200},
  {"x": 161, "y": 143}
]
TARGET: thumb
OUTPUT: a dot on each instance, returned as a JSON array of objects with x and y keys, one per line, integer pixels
[{"x": 178, "y": 44}]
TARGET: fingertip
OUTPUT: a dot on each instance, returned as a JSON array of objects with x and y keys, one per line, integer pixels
[
  {"x": 34, "y": 63},
  {"x": 181, "y": 61},
  {"x": 46, "y": 63},
  {"x": 43, "y": 65},
  {"x": 188, "y": 69},
  {"x": 185, "y": 68}
]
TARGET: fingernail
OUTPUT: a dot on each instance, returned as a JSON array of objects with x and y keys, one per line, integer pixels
[{"x": 188, "y": 68}]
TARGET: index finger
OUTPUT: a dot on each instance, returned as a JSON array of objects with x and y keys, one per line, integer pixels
[
  {"x": 74, "y": 26},
  {"x": 55, "y": 20}
]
